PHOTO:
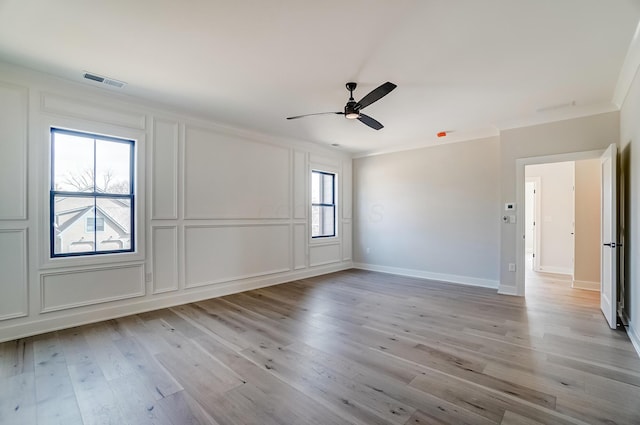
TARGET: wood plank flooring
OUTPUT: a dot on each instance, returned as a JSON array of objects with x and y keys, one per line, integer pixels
[{"x": 352, "y": 347}]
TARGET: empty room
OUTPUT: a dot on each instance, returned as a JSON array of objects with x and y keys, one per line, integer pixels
[{"x": 294, "y": 212}]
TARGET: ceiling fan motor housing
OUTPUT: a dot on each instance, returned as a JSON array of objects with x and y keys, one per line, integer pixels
[{"x": 351, "y": 110}]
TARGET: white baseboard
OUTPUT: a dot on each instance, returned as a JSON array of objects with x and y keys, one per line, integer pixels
[
  {"x": 71, "y": 319},
  {"x": 585, "y": 284},
  {"x": 634, "y": 337},
  {"x": 556, "y": 270},
  {"x": 508, "y": 290},
  {"x": 442, "y": 277}
]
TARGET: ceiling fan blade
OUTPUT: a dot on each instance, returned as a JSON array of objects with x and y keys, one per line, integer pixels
[
  {"x": 318, "y": 113},
  {"x": 367, "y": 120},
  {"x": 375, "y": 95}
]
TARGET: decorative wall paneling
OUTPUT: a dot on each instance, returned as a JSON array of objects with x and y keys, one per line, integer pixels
[
  {"x": 164, "y": 170},
  {"x": 72, "y": 107},
  {"x": 229, "y": 177},
  {"x": 300, "y": 185},
  {"x": 13, "y": 273},
  {"x": 347, "y": 245},
  {"x": 165, "y": 259},
  {"x": 68, "y": 289},
  {"x": 13, "y": 151},
  {"x": 320, "y": 255},
  {"x": 216, "y": 254},
  {"x": 300, "y": 255},
  {"x": 224, "y": 210}
]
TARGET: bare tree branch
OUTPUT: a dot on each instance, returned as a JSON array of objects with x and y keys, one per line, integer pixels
[{"x": 84, "y": 181}]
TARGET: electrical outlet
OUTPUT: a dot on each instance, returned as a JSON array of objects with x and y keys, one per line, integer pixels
[
  {"x": 512, "y": 267},
  {"x": 148, "y": 277}
]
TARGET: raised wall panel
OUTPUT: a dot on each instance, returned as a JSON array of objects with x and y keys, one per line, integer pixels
[
  {"x": 300, "y": 246},
  {"x": 325, "y": 161},
  {"x": 164, "y": 198},
  {"x": 233, "y": 178},
  {"x": 300, "y": 180},
  {"x": 165, "y": 259},
  {"x": 347, "y": 189},
  {"x": 80, "y": 109},
  {"x": 13, "y": 152},
  {"x": 215, "y": 254},
  {"x": 68, "y": 289},
  {"x": 13, "y": 273},
  {"x": 324, "y": 254},
  {"x": 346, "y": 241}
]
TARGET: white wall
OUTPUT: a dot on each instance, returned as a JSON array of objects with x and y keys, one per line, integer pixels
[
  {"x": 430, "y": 212},
  {"x": 220, "y": 210},
  {"x": 555, "y": 194},
  {"x": 630, "y": 198},
  {"x": 587, "y": 217}
]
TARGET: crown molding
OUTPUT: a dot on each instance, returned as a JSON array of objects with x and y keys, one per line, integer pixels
[{"x": 628, "y": 71}]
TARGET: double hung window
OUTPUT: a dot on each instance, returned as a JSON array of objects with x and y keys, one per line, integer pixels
[
  {"x": 323, "y": 204},
  {"x": 91, "y": 195}
]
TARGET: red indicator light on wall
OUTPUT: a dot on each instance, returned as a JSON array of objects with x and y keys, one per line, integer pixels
[{"x": 442, "y": 134}]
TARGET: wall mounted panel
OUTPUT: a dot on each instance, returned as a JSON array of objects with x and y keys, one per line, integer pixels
[
  {"x": 165, "y": 258},
  {"x": 346, "y": 241},
  {"x": 69, "y": 289},
  {"x": 13, "y": 273},
  {"x": 76, "y": 108},
  {"x": 13, "y": 152},
  {"x": 164, "y": 163},
  {"x": 347, "y": 189},
  {"x": 324, "y": 254},
  {"x": 233, "y": 178},
  {"x": 215, "y": 254},
  {"x": 299, "y": 246},
  {"x": 300, "y": 184}
]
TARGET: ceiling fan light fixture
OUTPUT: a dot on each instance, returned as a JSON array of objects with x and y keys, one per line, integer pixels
[{"x": 352, "y": 108}]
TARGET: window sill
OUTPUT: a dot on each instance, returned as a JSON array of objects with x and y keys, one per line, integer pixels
[{"x": 92, "y": 260}]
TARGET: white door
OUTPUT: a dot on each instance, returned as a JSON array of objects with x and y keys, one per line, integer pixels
[{"x": 609, "y": 252}]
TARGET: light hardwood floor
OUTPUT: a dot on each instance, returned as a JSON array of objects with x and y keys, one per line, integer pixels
[{"x": 352, "y": 347}]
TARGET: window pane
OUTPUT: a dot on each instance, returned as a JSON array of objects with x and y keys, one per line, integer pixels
[
  {"x": 70, "y": 215},
  {"x": 327, "y": 188},
  {"x": 315, "y": 187},
  {"x": 73, "y": 163},
  {"x": 322, "y": 221},
  {"x": 113, "y": 160},
  {"x": 94, "y": 224},
  {"x": 116, "y": 216}
]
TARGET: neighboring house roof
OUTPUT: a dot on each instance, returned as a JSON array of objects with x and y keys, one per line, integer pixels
[{"x": 71, "y": 209}]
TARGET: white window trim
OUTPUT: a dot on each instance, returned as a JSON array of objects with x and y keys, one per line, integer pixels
[
  {"x": 326, "y": 240},
  {"x": 44, "y": 150}
]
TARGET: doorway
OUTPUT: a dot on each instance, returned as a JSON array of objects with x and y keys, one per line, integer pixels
[
  {"x": 562, "y": 223},
  {"x": 520, "y": 212},
  {"x": 608, "y": 280}
]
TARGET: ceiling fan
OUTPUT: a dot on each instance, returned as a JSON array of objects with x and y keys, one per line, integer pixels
[{"x": 352, "y": 108}]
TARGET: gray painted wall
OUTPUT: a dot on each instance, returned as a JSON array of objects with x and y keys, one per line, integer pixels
[{"x": 432, "y": 210}]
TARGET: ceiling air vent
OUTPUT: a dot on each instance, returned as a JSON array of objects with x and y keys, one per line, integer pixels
[{"x": 104, "y": 80}]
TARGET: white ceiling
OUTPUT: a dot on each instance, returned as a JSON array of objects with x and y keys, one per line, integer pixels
[{"x": 467, "y": 66}]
